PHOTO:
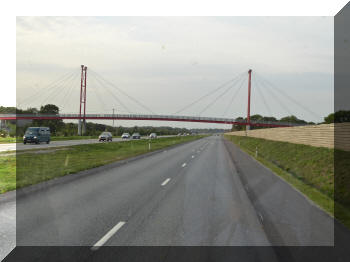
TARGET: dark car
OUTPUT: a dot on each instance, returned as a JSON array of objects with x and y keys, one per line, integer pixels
[
  {"x": 105, "y": 136},
  {"x": 37, "y": 135},
  {"x": 136, "y": 136}
]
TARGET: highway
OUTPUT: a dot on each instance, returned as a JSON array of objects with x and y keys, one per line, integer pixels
[
  {"x": 203, "y": 193},
  {"x": 63, "y": 143}
]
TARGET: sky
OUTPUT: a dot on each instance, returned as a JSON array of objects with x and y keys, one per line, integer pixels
[{"x": 168, "y": 62}]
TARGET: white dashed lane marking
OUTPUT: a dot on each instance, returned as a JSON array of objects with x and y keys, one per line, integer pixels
[
  {"x": 165, "y": 182},
  {"x": 105, "y": 238}
]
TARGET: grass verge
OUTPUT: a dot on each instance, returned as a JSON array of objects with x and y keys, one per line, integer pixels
[
  {"x": 5, "y": 140},
  {"x": 31, "y": 168},
  {"x": 307, "y": 168},
  {"x": 7, "y": 173},
  {"x": 61, "y": 138}
]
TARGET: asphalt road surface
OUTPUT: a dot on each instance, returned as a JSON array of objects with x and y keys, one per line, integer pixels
[
  {"x": 203, "y": 193},
  {"x": 63, "y": 143}
]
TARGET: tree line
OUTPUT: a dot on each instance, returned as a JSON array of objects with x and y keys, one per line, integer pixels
[{"x": 337, "y": 117}]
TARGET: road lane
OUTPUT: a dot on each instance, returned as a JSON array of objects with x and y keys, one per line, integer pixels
[
  {"x": 7, "y": 223},
  {"x": 82, "y": 211},
  {"x": 204, "y": 205},
  {"x": 209, "y": 201}
]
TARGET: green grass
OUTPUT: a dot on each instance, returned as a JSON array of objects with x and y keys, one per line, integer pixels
[
  {"x": 61, "y": 138},
  {"x": 5, "y": 140},
  {"x": 31, "y": 168},
  {"x": 309, "y": 169},
  {"x": 7, "y": 173}
]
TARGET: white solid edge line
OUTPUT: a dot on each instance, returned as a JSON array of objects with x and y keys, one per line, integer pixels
[
  {"x": 184, "y": 164},
  {"x": 105, "y": 238},
  {"x": 165, "y": 182}
]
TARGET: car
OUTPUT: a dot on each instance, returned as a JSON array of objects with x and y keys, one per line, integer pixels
[
  {"x": 125, "y": 136},
  {"x": 37, "y": 135},
  {"x": 136, "y": 136},
  {"x": 153, "y": 135},
  {"x": 105, "y": 136}
]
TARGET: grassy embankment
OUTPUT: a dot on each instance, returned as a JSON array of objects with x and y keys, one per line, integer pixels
[
  {"x": 309, "y": 169},
  {"x": 33, "y": 168}
]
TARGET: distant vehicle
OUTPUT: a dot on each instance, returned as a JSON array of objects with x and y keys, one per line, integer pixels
[
  {"x": 125, "y": 136},
  {"x": 105, "y": 136},
  {"x": 136, "y": 136},
  {"x": 153, "y": 135},
  {"x": 37, "y": 135}
]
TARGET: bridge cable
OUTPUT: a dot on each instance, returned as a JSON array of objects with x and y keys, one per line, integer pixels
[
  {"x": 49, "y": 87},
  {"x": 234, "y": 96},
  {"x": 223, "y": 93},
  {"x": 109, "y": 91},
  {"x": 209, "y": 93},
  {"x": 124, "y": 93},
  {"x": 262, "y": 96},
  {"x": 268, "y": 89},
  {"x": 107, "y": 88},
  {"x": 69, "y": 94},
  {"x": 58, "y": 90},
  {"x": 94, "y": 88},
  {"x": 54, "y": 91},
  {"x": 289, "y": 97}
]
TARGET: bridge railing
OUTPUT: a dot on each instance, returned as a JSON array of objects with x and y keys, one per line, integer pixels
[{"x": 149, "y": 117}]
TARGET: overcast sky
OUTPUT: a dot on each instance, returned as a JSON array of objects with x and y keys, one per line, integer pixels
[{"x": 168, "y": 62}]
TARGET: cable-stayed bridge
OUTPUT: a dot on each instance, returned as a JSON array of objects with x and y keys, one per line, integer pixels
[{"x": 68, "y": 85}]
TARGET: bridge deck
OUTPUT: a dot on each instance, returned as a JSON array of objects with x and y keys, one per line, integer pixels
[{"x": 215, "y": 120}]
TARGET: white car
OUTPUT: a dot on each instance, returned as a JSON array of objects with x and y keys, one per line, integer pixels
[
  {"x": 125, "y": 136},
  {"x": 153, "y": 135}
]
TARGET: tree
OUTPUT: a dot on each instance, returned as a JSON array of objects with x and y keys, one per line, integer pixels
[
  {"x": 340, "y": 116},
  {"x": 329, "y": 119},
  {"x": 55, "y": 124},
  {"x": 292, "y": 119},
  {"x": 256, "y": 117},
  {"x": 7, "y": 110},
  {"x": 237, "y": 127},
  {"x": 269, "y": 119},
  {"x": 49, "y": 109}
]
